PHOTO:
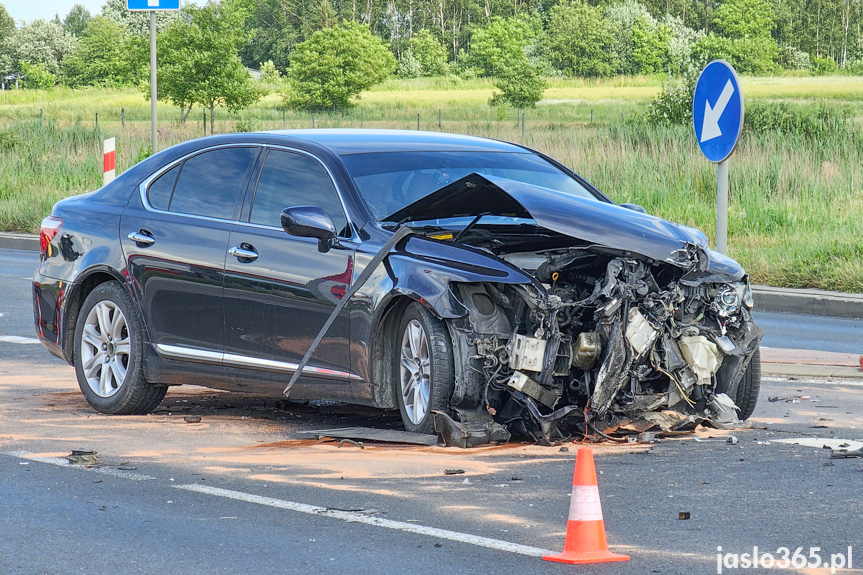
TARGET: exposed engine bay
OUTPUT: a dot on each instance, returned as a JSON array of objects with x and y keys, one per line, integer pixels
[{"x": 603, "y": 343}]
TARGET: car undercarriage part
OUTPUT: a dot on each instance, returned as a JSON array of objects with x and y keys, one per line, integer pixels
[{"x": 605, "y": 345}]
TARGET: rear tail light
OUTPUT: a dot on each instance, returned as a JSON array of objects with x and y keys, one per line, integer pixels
[{"x": 50, "y": 227}]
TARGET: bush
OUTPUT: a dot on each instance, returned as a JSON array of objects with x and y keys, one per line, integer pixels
[
  {"x": 37, "y": 77},
  {"x": 334, "y": 65},
  {"x": 673, "y": 104},
  {"x": 793, "y": 58},
  {"x": 822, "y": 66},
  {"x": 803, "y": 120},
  {"x": 409, "y": 66},
  {"x": 429, "y": 53}
]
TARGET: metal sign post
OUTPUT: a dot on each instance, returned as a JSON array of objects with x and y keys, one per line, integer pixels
[
  {"x": 717, "y": 116},
  {"x": 151, "y": 6}
]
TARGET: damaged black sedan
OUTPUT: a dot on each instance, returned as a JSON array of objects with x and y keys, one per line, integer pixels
[{"x": 480, "y": 287}]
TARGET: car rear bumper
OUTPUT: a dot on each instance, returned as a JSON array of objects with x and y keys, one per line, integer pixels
[{"x": 49, "y": 313}]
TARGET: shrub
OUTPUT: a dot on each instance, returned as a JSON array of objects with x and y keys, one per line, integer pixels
[
  {"x": 520, "y": 85},
  {"x": 822, "y": 66}
]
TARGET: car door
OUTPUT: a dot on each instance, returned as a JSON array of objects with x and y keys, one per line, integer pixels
[
  {"x": 175, "y": 236},
  {"x": 281, "y": 289}
]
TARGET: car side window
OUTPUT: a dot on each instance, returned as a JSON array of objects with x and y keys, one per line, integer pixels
[
  {"x": 210, "y": 183},
  {"x": 159, "y": 192},
  {"x": 288, "y": 179}
]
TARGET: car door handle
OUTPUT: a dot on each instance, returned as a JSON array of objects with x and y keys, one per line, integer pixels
[
  {"x": 142, "y": 237},
  {"x": 246, "y": 252}
]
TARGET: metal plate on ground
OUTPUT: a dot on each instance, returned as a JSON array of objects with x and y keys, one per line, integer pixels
[{"x": 373, "y": 434}]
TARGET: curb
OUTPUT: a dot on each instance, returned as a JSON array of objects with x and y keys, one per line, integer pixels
[
  {"x": 811, "y": 370},
  {"x": 13, "y": 241},
  {"x": 808, "y": 301},
  {"x": 767, "y": 298}
]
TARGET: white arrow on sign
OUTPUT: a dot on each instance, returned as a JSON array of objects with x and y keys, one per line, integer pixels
[{"x": 710, "y": 127}]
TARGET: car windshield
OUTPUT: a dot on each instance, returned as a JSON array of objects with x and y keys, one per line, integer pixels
[{"x": 389, "y": 181}]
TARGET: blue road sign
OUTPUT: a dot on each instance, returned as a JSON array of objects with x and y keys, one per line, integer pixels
[
  {"x": 153, "y": 5},
  {"x": 717, "y": 110}
]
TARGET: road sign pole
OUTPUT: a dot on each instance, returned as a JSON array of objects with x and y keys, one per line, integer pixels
[
  {"x": 722, "y": 207},
  {"x": 154, "y": 122}
]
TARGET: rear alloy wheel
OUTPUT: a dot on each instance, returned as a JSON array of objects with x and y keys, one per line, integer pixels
[
  {"x": 424, "y": 369},
  {"x": 108, "y": 354}
]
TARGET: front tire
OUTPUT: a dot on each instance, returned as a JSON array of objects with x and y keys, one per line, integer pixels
[
  {"x": 750, "y": 385},
  {"x": 424, "y": 372},
  {"x": 109, "y": 351}
]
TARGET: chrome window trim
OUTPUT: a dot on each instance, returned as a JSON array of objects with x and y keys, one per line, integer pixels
[
  {"x": 143, "y": 187},
  {"x": 234, "y": 360}
]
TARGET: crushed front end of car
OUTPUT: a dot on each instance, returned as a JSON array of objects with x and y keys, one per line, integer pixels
[{"x": 630, "y": 323}]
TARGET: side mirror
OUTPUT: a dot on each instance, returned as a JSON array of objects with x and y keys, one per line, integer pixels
[
  {"x": 634, "y": 208},
  {"x": 310, "y": 222}
]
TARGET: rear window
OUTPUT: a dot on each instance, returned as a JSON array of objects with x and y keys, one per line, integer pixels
[
  {"x": 159, "y": 192},
  {"x": 210, "y": 183}
]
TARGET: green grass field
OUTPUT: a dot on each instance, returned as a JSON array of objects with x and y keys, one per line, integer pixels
[{"x": 795, "y": 202}]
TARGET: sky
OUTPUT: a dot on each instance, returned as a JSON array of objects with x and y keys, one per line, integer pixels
[{"x": 30, "y": 10}]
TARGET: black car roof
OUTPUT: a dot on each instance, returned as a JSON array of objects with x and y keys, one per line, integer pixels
[{"x": 357, "y": 141}]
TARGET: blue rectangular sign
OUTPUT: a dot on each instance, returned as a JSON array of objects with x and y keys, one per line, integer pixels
[{"x": 153, "y": 4}]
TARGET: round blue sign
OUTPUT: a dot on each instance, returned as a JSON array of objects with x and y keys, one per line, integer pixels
[{"x": 717, "y": 110}]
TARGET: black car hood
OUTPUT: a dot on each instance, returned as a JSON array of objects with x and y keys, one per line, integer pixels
[{"x": 586, "y": 219}]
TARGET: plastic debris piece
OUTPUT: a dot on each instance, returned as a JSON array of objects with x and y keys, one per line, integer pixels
[
  {"x": 192, "y": 419},
  {"x": 81, "y": 457},
  {"x": 453, "y": 471},
  {"x": 683, "y": 515}
]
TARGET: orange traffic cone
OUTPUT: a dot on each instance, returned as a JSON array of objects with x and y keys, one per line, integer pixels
[{"x": 585, "y": 531}]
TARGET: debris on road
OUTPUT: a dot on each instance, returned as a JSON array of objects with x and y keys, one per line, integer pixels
[
  {"x": 789, "y": 399},
  {"x": 359, "y": 444},
  {"x": 845, "y": 454},
  {"x": 81, "y": 457},
  {"x": 372, "y": 434},
  {"x": 683, "y": 515},
  {"x": 192, "y": 419},
  {"x": 453, "y": 471},
  {"x": 479, "y": 430}
]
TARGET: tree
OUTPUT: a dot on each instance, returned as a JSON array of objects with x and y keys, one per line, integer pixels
[
  {"x": 39, "y": 42},
  {"x": 747, "y": 26},
  {"x": 107, "y": 55},
  {"x": 200, "y": 65},
  {"x": 7, "y": 24},
  {"x": 520, "y": 84},
  {"x": 580, "y": 42},
  {"x": 138, "y": 22},
  {"x": 334, "y": 65},
  {"x": 503, "y": 41},
  {"x": 76, "y": 20},
  {"x": 650, "y": 46},
  {"x": 430, "y": 54},
  {"x": 623, "y": 17}
]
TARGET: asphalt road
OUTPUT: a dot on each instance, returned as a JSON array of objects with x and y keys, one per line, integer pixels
[{"x": 245, "y": 491}]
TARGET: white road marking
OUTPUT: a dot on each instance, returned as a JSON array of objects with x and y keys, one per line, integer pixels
[
  {"x": 803, "y": 381},
  {"x": 63, "y": 462},
  {"x": 819, "y": 443},
  {"x": 351, "y": 517},
  {"x": 18, "y": 339}
]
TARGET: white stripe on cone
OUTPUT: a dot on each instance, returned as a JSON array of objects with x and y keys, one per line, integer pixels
[
  {"x": 109, "y": 161},
  {"x": 584, "y": 505}
]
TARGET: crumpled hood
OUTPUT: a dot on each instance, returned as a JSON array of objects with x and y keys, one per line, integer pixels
[{"x": 590, "y": 220}]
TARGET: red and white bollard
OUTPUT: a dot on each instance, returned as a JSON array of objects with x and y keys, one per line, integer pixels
[{"x": 109, "y": 161}]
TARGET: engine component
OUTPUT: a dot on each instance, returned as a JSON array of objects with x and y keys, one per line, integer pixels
[
  {"x": 527, "y": 353},
  {"x": 530, "y": 388},
  {"x": 586, "y": 349},
  {"x": 639, "y": 333},
  {"x": 703, "y": 356}
]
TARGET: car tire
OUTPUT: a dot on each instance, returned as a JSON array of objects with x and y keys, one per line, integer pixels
[
  {"x": 750, "y": 385},
  {"x": 424, "y": 371},
  {"x": 109, "y": 350}
]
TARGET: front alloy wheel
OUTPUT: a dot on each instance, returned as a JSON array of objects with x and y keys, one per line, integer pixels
[{"x": 424, "y": 371}]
